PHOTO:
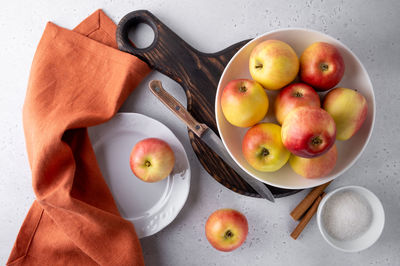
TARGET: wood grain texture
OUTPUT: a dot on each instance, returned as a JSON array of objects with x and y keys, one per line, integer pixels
[{"x": 198, "y": 73}]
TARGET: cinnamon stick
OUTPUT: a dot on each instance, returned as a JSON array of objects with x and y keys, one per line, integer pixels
[
  {"x": 307, "y": 217},
  {"x": 303, "y": 206}
]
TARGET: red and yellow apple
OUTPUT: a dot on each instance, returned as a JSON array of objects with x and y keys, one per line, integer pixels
[
  {"x": 321, "y": 66},
  {"x": 348, "y": 108},
  {"x": 293, "y": 96},
  {"x": 273, "y": 64},
  {"x": 308, "y": 131},
  {"x": 314, "y": 167},
  {"x": 244, "y": 102},
  {"x": 152, "y": 160},
  {"x": 226, "y": 229},
  {"x": 263, "y": 149}
]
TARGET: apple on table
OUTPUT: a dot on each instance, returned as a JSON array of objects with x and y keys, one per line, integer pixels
[
  {"x": 348, "y": 108},
  {"x": 308, "y": 131},
  {"x": 314, "y": 167},
  {"x": 244, "y": 102},
  {"x": 152, "y": 160},
  {"x": 273, "y": 64},
  {"x": 226, "y": 229},
  {"x": 293, "y": 96},
  {"x": 321, "y": 66},
  {"x": 263, "y": 149}
]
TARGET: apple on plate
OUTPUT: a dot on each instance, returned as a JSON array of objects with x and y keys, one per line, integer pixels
[
  {"x": 226, "y": 229},
  {"x": 152, "y": 160},
  {"x": 308, "y": 131},
  {"x": 273, "y": 64},
  {"x": 263, "y": 149},
  {"x": 244, "y": 102},
  {"x": 314, "y": 167},
  {"x": 348, "y": 108},
  {"x": 321, "y": 66},
  {"x": 293, "y": 96}
]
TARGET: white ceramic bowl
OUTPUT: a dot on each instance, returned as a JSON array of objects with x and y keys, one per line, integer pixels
[
  {"x": 355, "y": 77},
  {"x": 373, "y": 232}
]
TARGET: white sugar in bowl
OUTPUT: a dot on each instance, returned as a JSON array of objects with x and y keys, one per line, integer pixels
[{"x": 350, "y": 218}]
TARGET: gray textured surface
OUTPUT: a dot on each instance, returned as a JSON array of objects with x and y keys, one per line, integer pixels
[{"x": 369, "y": 28}]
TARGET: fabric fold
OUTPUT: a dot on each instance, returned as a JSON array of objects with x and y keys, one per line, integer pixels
[{"x": 78, "y": 79}]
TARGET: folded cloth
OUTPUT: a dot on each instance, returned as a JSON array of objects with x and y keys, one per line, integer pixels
[{"x": 78, "y": 79}]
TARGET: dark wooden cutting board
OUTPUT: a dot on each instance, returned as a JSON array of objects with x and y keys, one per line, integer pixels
[{"x": 198, "y": 73}]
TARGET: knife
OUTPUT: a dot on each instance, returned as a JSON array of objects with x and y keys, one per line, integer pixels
[{"x": 207, "y": 136}]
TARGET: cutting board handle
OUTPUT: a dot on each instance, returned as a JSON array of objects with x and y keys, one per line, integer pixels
[
  {"x": 166, "y": 47},
  {"x": 171, "y": 55}
]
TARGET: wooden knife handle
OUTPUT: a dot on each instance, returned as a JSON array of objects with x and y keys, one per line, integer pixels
[{"x": 177, "y": 108}]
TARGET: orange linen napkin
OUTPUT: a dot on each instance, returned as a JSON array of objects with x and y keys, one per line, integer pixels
[{"x": 78, "y": 79}]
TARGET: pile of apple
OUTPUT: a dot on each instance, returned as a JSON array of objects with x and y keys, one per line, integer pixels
[{"x": 306, "y": 132}]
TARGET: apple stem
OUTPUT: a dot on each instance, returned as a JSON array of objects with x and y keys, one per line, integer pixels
[
  {"x": 259, "y": 65},
  {"x": 228, "y": 234},
  {"x": 147, "y": 163}
]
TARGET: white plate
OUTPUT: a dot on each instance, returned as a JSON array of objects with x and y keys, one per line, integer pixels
[
  {"x": 355, "y": 77},
  {"x": 149, "y": 206}
]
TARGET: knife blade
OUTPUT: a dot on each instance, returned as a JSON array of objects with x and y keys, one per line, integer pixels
[{"x": 208, "y": 136}]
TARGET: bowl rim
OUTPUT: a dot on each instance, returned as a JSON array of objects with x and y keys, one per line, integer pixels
[
  {"x": 353, "y": 188},
  {"x": 347, "y": 167}
]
